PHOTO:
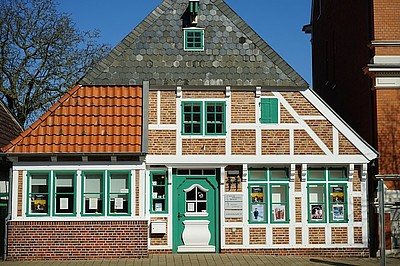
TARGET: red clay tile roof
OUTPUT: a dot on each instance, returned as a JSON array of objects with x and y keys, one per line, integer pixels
[
  {"x": 9, "y": 126},
  {"x": 88, "y": 119}
]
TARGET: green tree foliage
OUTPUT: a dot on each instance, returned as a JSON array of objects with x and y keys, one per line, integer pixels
[{"x": 42, "y": 55}]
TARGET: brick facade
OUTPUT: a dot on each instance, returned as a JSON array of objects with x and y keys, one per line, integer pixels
[
  {"x": 243, "y": 142},
  {"x": 339, "y": 235},
  {"x": 280, "y": 236},
  {"x": 77, "y": 240},
  {"x": 162, "y": 142},
  {"x": 275, "y": 142},
  {"x": 234, "y": 236},
  {"x": 243, "y": 107},
  {"x": 258, "y": 236},
  {"x": 316, "y": 235}
]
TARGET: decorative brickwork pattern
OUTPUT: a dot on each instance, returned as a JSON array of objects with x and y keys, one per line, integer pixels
[
  {"x": 20, "y": 187},
  {"x": 324, "y": 130},
  {"x": 345, "y": 146},
  {"x": 358, "y": 238},
  {"x": 298, "y": 210},
  {"x": 304, "y": 144},
  {"x": 234, "y": 238},
  {"x": 203, "y": 94},
  {"x": 275, "y": 142},
  {"x": 357, "y": 209},
  {"x": 159, "y": 239},
  {"x": 77, "y": 240},
  {"x": 304, "y": 252},
  {"x": 243, "y": 142},
  {"x": 357, "y": 179},
  {"x": 316, "y": 235},
  {"x": 162, "y": 142},
  {"x": 339, "y": 235},
  {"x": 203, "y": 146},
  {"x": 243, "y": 107},
  {"x": 152, "y": 107},
  {"x": 299, "y": 235},
  {"x": 300, "y": 104},
  {"x": 280, "y": 236},
  {"x": 258, "y": 236},
  {"x": 168, "y": 107}
]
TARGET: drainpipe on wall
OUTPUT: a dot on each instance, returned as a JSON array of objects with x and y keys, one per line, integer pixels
[{"x": 8, "y": 218}]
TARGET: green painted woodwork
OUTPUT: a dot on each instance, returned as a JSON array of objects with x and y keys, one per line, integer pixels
[
  {"x": 269, "y": 111},
  {"x": 180, "y": 213},
  {"x": 88, "y": 192},
  {"x": 158, "y": 185},
  {"x": 64, "y": 192},
  {"x": 194, "y": 39},
  {"x": 119, "y": 190},
  {"x": 38, "y": 201}
]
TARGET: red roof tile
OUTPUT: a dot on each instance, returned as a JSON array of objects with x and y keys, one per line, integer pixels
[{"x": 88, "y": 119}]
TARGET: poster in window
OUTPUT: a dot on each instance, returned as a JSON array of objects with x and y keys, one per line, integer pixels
[
  {"x": 317, "y": 212},
  {"x": 93, "y": 203},
  {"x": 118, "y": 203},
  {"x": 279, "y": 213},
  {"x": 63, "y": 203},
  {"x": 39, "y": 203},
  {"x": 257, "y": 213},
  {"x": 337, "y": 194},
  {"x": 158, "y": 207},
  {"x": 257, "y": 194},
  {"x": 338, "y": 212}
]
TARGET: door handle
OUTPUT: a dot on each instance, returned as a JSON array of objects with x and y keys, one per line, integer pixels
[{"x": 180, "y": 215}]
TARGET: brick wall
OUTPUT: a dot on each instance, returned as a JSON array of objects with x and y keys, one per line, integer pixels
[
  {"x": 300, "y": 104},
  {"x": 258, "y": 236},
  {"x": 358, "y": 239},
  {"x": 275, "y": 142},
  {"x": 168, "y": 107},
  {"x": 77, "y": 240},
  {"x": 357, "y": 179},
  {"x": 339, "y": 235},
  {"x": 357, "y": 209},
  {"x": 243, "y": 107},
  {"x": 152, "y": 107},
  {"x": 286, "y": 117},
  {"x": 298, "y": 209},
  {"x": 304, "y": 144},
  {"x": 316, "y": 235},
  {"x": 162, "y": 142},
  {"x": 386, "y": 19},
  {"x": 195, "y": 146},
  {"x": 324, "y": 130},
  {"x": 345, "y": 146},
  {"x": 159, "y": 239},
  {"x": 243, "y": 142},
  {"x": 233, "y": 237},
  {"x": 20, "y": 186},
  {"x": 280, "y": 236},
  {"x": 299, "y": 235}
]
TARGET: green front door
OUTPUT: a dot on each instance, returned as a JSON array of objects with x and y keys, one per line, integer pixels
[{"x": 195, "y": 214}]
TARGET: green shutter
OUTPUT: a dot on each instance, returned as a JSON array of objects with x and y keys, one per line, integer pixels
[{"x": 269, "y": 110}]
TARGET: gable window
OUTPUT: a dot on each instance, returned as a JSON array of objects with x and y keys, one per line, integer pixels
[
  {"x": 269, "y": 111},
  {"x": 195, "y": 121},
  {"x": 194, "y": 39}
]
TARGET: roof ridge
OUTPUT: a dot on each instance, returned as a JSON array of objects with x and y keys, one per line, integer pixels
[{"x": 40, "y": 120}]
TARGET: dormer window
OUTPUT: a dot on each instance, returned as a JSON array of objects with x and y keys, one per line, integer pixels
[
  {"x": 194, "y": 11},
  {"x": 194, "y": 39}
]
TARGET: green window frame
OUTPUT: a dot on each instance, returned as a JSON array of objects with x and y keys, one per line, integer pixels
[
  {"x": 204, "y": 118},
  {"x": 269, "y": 195},
  {"x": 316, "y": 198},
  {"x": 64, "y": 193},
  {"x": 93, "y": 193},
  {"x": 338, "y": 203},
  {"x": 119, "y": 193},
  {"x": 269, "y": 111},
  {"x": 192, "y": 119},
  {"x": 215, "y": 118},
  {"x": 159, "y": 191},
  {"x": 279, "y": 203},
  {"x": 38, "y": 200},
  {"x": 327, "y": 198},
  {"x": 258, "y": 203},
  {"x": 194, "y": 39}
]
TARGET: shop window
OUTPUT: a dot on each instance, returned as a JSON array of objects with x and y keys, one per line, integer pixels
[
  {"x": 194, "y": 119},
  {"x": 194, "y": 39},
  {"x": 327, "y": 198},
  {"x": 159, "y": 191},
  {"x": 64, "y": 193},
  {"x": 269, "y": 111},
  {"x": 38, "y": 193},
  {"x": 119, "y": 193},
  {"x": 93, "y": 193},
  {"x": 269, "y": 195}
]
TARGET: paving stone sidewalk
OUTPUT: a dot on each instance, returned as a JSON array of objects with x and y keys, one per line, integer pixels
[{"x": 214, "y": 259}]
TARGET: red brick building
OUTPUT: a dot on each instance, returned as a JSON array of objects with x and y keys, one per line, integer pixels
[{"x": 356, "y": 69}]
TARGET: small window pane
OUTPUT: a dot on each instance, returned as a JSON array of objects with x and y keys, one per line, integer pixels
[
  {"x": 257, "y": 174},
  {"x": 316, "y": 174},
  {"x": 337, "y": 174},
  {"x": 65, "y": 193}
]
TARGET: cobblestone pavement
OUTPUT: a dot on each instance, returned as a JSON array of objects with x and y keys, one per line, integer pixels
[{"x": 214, "y": 259}]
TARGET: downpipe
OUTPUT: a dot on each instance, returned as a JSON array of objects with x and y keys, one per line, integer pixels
[{"x": 8, "y": 218}]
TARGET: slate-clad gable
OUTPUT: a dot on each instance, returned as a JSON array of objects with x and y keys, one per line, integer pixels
[{"x": 234, "y": 55}]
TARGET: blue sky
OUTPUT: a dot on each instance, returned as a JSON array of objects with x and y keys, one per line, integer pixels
[{"x": 278, "y": 22}]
